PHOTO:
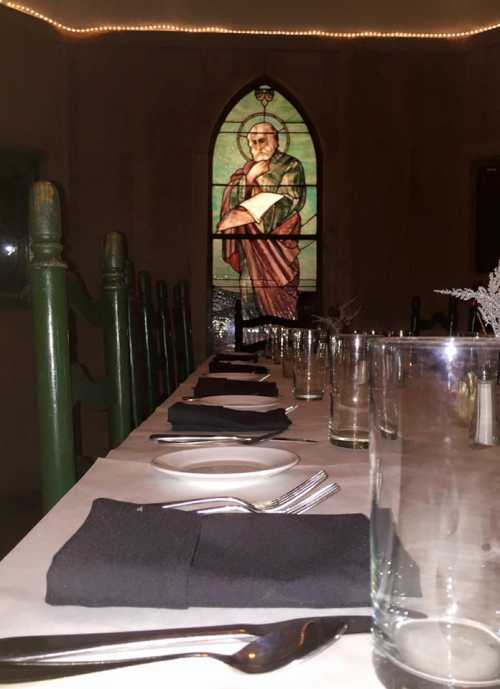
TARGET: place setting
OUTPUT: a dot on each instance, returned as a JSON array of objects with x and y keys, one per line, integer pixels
[{"x": 224, "y": 433}]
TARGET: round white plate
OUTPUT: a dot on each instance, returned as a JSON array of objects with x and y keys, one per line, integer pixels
[
  {"x": 225, "y": 462},
  {"x": 241, "y": 402},
  {"x": 235, "y": 376}
]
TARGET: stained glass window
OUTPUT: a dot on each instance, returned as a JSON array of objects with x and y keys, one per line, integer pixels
[{"x": 264, "y": 211}]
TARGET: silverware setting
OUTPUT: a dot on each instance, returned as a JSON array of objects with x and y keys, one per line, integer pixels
[
  {"x": 269, "y": 647},
  {"x": 298, "y": 507},
  {"x": 212, "y": 438},
  {"x": 275, "y": 504}
]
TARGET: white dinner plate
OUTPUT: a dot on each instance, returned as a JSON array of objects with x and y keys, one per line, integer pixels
[
  {"x": 225, "y": 462},
  {"x": 235, "y": 376},
  {"x": 241, "y": 402}
]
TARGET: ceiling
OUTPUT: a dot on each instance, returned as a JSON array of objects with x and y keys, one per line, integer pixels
[{"x": 331, "y": 16}]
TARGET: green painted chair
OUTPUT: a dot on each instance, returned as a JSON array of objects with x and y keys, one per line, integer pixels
[
  {"x": 137, "y": 350},
  {"x": 56, "y": 293},
  {"x": 152, "y": 358},
  {"x": 166, "y": 339},
  {"x": 183, "y": 331}
]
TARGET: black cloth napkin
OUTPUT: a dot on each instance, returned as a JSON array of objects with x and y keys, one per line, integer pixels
[
  {"x": 198, "y": 417},
  {"x": 227, "y": 367},
  {"x": 207, "y": 387},
  {"x": 235, "y": 356},
  {"x": 126, "y": 554}
]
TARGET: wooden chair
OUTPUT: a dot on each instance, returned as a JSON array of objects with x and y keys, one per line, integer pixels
[
  {"x": 166, "y": 338},
  {"x": 152, "y": 359},
  {"x": 56, "y": 291},
  {"x": 183, "y": 331},
  {"x": 137, "y": 347},
  {"x": 448, "y": 321}
]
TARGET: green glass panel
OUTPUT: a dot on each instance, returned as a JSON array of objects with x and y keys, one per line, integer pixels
[
  {"x": 285, "y": 109},
  {"x": 301, "y": 147}
]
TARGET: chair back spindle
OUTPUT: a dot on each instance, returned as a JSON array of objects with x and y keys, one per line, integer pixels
[
  {"x": 183, "y": 331},
  {"x": 167, "y": 343},
  {"x": 116, "y": 342},
  {"x": 151, "y": 349},
  {"x": 136, "y": 350},
  {"x": 52, "y": 359}
]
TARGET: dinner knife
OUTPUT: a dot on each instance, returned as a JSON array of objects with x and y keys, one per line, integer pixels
[{"x": 202, "y": 438}]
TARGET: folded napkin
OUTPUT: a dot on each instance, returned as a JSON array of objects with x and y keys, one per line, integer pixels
[
  {"x": 207, "y": 387},
  {"x": 227, "y": 367},
  {"x": 236, "y": 356},
  {"x": 126, "y": 554},
  {"x": 199, "y": 417}
]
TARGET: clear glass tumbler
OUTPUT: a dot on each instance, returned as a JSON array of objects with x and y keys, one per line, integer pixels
[
  {"x": 349, "y": 394},
  {"x": 276, "y": 343},
  {"x": 435, "y": 525},
  {"x": 309, "y": 364},
  {"x": 288, "y": 339}
]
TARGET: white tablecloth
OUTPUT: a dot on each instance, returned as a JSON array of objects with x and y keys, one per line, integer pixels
[{"x": 126, "y": 474}]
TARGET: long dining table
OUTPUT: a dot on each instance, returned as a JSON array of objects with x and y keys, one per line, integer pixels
[{"x": 126, "y": 474}]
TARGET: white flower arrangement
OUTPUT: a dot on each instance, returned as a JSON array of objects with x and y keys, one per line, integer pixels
[{"x": 488, "y": 299}]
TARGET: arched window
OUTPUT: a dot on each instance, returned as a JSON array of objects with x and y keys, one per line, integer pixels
[{"x": 264, "y": 232}]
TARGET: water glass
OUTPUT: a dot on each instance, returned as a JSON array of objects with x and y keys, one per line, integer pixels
[
  {"x": 435, "y": 524},
  {"x": 288, "y": 337},
  {"x": 276, "y": 343},
  {"x": 309, "y": 364},
  {"x": 349, "y": 394}
]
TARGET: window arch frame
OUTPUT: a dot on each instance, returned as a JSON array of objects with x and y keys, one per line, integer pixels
[{"x": 318, "y": 237}]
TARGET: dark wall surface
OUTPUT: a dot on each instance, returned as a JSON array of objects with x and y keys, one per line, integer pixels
[
  {"x": 126, "y": 123},
  {"x": 32, "y": 118}
]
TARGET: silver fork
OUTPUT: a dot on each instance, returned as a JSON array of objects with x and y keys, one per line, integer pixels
[
  {"x": 297, "y": 506},
  {"x": 290, "y": 496}
]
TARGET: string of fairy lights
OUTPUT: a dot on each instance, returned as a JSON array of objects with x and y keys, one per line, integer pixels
[{"x": 106, "y": 28}]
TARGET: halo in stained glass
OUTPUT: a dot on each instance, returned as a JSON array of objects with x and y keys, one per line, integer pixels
[{"x": 257, "y": 118}]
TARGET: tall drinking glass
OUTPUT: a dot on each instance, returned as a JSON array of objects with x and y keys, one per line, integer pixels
[
  {"x": 289, "y": 337},
  {"x": 349, "y": 391},
  {"x": 435, "y": 527},
  {"x": 276, "y": 343},
  {"x": 309, "y": 364}
]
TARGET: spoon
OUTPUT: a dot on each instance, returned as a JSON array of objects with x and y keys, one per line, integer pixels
[{"x": 276, "y": 645}]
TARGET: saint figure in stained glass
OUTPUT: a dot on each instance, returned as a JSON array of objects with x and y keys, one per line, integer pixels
[
  {"x": 264, "y": 196},
  {"x": 264, "y": 210}
]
